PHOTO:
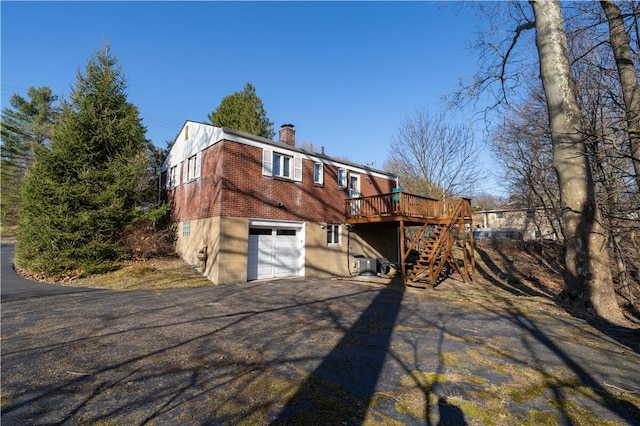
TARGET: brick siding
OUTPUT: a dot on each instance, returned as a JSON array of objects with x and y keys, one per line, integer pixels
[{"x": 232, "y": 184}]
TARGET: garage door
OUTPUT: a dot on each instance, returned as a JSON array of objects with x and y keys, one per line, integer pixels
[{"x": 273, "y": 252}]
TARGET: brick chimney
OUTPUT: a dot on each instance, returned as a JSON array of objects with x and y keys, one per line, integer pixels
[{"x": 287, "y": 134}]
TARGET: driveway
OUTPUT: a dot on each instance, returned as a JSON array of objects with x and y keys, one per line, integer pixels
[
  {"x": 15, "y": 287},
  {"x": 301, "y": 351}
]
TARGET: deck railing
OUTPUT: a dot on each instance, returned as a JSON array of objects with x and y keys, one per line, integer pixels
[{"x": 404, "y": 204}]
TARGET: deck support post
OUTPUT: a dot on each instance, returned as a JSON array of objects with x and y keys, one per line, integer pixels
[{"x": 403, "y": 256}]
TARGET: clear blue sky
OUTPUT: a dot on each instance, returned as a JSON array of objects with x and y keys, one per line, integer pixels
[{"x": 344, "y": 73}]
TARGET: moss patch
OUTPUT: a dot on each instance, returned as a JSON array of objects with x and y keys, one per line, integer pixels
[
  {"x": 539, "y": 418},
  {"x": 493, "y": 384}
]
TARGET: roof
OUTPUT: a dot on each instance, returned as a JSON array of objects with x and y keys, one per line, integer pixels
[{"x": 206, "y": 135}]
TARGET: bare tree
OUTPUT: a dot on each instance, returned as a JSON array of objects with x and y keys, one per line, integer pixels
[
  {"x": 605, "y": 170},
  {"x": 521, "y": 143},
  {"x": 628, "y": 79},
  {"x": 604, "y": 124},
  {"x": 485, "y": 201},
  {"x": 588, "y": 281},
  {"x": 434, "y": 157}
]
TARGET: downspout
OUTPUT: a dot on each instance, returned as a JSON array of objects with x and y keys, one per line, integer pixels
[{"x": 349, "y": 250}]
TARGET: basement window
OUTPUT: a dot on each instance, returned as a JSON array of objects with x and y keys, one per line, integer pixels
[
  {"x": 186, "y": 229},
  {"x": 333, "y": 235}
]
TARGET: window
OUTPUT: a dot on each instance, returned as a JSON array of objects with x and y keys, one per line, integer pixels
[
  {"x": 260, "y": 231},
  {"x": 173, "y": 176},
  {"x": 186, "y": 229},
  {"x": 500, "y": 215},
  {"x": 318, "y": 173},
  {"x": 193, "y": 167},
  {"x": 281, "y": 165},
  {"x": 342, "y": 178},
  {"x": 333, "y": 234}
]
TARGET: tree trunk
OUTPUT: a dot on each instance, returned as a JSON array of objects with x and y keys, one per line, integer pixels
[
  {"x": 628, "y": 80},
  {"x": 609, "y": 213},
  {"x": 587, "y": 282}
]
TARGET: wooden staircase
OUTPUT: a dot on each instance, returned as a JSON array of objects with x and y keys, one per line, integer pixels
[
  {"x": 447, "y": 225},
  {"x": 436, "y": 258}
]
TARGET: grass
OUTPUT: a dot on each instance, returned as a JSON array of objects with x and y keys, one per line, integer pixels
[{"x": 154, "y": 274}]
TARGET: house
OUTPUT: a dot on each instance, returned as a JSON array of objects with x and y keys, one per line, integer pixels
[
  {"x": 249, "y": 208},
  {"x": 515, "y": 222}
]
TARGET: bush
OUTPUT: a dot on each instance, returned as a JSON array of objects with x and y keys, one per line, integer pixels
[{"x": 146, "y": 241}]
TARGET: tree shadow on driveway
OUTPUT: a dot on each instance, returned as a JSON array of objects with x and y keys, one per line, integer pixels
[{"x": 341, "y": 388}]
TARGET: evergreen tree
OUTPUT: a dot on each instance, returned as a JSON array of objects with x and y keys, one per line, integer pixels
[
  {"x": 243, "y": 111},
  {"x": 25, "y": 125},
  {"x": 80, "y": 196}
]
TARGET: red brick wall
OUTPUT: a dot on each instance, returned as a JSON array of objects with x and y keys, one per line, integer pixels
[
  {"x": 232, "y": 184},
  {"x": 201, "y": 197}
]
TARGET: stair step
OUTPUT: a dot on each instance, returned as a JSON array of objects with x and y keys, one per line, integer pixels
[
  {"x": 428, "y": 258},
  {"x": 417, "y": 285}
]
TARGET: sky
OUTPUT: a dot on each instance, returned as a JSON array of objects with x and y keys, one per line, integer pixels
[{"x": 346, "y": 74}]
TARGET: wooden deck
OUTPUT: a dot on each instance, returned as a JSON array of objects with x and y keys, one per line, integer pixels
[
  {"x": 403, "y": 209},
  {"x": 403, "y": 206}
]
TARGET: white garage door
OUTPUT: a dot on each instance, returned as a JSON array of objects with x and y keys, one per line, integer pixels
[{"x": 273, "y": 252}]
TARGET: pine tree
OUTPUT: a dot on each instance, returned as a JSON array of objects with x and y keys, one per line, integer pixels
[
  {"x": 80, "y": 195},
  {"x": 243, "y": 111},
  {"x": 25, "y": 125}
]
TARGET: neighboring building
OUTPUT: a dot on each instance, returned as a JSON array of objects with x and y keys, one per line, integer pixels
[
  {"x": 256, "y": 208},
  {"x": 514, "y": 222}
]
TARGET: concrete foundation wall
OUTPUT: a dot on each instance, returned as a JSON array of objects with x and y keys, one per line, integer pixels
[
  {"x": 226, "y": 241},
  {"x": 202, "y": 232},
  {"x": 375, "y": 241},
  {"x": 232, "y": 258},
  {"x": 322, "y": 260},
  {"x": 341, "y": 260}
]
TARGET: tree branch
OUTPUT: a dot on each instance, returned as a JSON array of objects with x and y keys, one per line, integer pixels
[{"x": 526, "y": 26}]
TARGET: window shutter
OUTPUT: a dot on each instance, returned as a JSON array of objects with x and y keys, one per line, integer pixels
[
  {"x": 267, "y": 162},
  {"x": 297, "y": 169},
  {"x": 198, "y": 161},
  {"x": 185, "y": 171},
  {"x": 342, "y": 178}
]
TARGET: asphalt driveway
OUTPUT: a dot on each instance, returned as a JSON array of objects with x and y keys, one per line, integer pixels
[{"x": 301, "y": 351}]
